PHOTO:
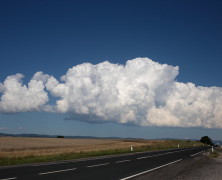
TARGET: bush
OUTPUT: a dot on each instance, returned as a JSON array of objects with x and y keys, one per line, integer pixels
[
  {"x": 60, "y": 136},
  {"x": 213, "y": 154}
]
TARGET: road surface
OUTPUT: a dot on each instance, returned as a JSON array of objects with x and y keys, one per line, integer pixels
[{"x": 118, "y": 167}]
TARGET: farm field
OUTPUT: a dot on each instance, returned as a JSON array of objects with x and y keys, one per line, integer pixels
[{"x": 17, "y": 150}]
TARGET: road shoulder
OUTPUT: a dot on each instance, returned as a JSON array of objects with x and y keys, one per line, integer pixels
[{"x": 195, "y": 168}]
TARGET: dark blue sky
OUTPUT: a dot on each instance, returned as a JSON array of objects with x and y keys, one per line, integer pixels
[{"x": 54, "y": 35}]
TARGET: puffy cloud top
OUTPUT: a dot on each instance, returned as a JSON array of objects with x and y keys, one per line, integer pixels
[
  {"x": 141, "y": 92},
  {"x": 20, "y": 98}
]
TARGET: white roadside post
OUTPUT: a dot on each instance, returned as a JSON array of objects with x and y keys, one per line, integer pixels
[
  {"x": 131, "y": 147},
  {"x": 178, "y": 146},
  {"x": 212, "y": 149}
]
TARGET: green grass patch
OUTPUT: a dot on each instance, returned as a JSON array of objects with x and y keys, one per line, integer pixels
[{"x": 214, "y": 154}]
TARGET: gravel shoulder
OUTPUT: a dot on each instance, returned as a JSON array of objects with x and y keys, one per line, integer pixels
[{"x": 199, "y": 167}]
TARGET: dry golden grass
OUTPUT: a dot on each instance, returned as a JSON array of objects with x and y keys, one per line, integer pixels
[{"x": 24, "y": 147}]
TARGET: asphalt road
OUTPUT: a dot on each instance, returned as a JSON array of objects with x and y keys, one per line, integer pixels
[{"x": 118, "y": 167}]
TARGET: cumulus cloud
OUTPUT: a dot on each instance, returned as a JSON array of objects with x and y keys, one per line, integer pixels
[
  {"x": 141, "y": 92},
  {"x": 17, "y": 97}
]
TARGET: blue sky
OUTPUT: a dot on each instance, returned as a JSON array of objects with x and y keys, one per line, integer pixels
[{"x": 53, "y": 36}]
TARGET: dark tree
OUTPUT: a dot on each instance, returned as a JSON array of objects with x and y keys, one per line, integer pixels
[
  {"x": 206, "y": 140},
  {"x": 60, "y": 136}
]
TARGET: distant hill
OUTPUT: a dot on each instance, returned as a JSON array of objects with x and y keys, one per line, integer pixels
[
  {"x": 54, "y": 136},
  {"x": 92, "y": 137},
  {"x": 26, "y": 135},
  {"x": 219, "y": 142}
]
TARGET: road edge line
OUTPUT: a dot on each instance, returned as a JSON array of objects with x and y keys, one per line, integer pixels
[
  {"x": 196, "y": 153},
  {"x": 129, "y": 177}
]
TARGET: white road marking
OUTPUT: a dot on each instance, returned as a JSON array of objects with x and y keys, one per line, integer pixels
[
  {"x": 97, "y": 165},
  {"x": 129, "y": 177},
  {"x": 163, "y": 154},
  {"x": 154, "y": 155},
  {"x": 57, "y": 171},
  {"x": 196, "y": 153},
  {"x": 144, "y": 157},
  {"x": 122, "y": 161},
  {"x": 9, "y": 178},
  {"x": 48, "y": 164}
]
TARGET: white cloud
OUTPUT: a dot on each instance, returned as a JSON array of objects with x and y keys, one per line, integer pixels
[
  {"x": 196, "y": 105},
  {"x": 141, "y": 92},
  {"x": 17, "y": 97}
]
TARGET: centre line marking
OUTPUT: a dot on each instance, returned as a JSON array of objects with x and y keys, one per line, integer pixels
[
  {"x": 51, "y": 172},
  {"x": 156, "y": 155},
  {"x": 129, "y": 177},
  {"x": 151, "y": 156},
  {"x": 9, "y": 178},
  {"x": 144, "y": 157},
  {"x": 97, "y": 165},
  {"x": 122, "y": 161}
]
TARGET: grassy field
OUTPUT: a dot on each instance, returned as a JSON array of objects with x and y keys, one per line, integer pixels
[{"x": 16, "y": 150}]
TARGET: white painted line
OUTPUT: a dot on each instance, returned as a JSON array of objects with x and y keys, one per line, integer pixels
[
  {"x": 122, "y": 161},
  {"x": 57, "y": 171},
  {"x": 9, "y": 178},
  {"x": 144, "y": 157},
  {"x": 170, "y": 152},
  {"x": 196, "y": 154},
  {"x": 163, "y": 154},
  {"x": 129, "y": 177},
  {"x": 154, "y": 155},
  {"x": 98, "y": 165},
  {"x": 48, "y": 164}
]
